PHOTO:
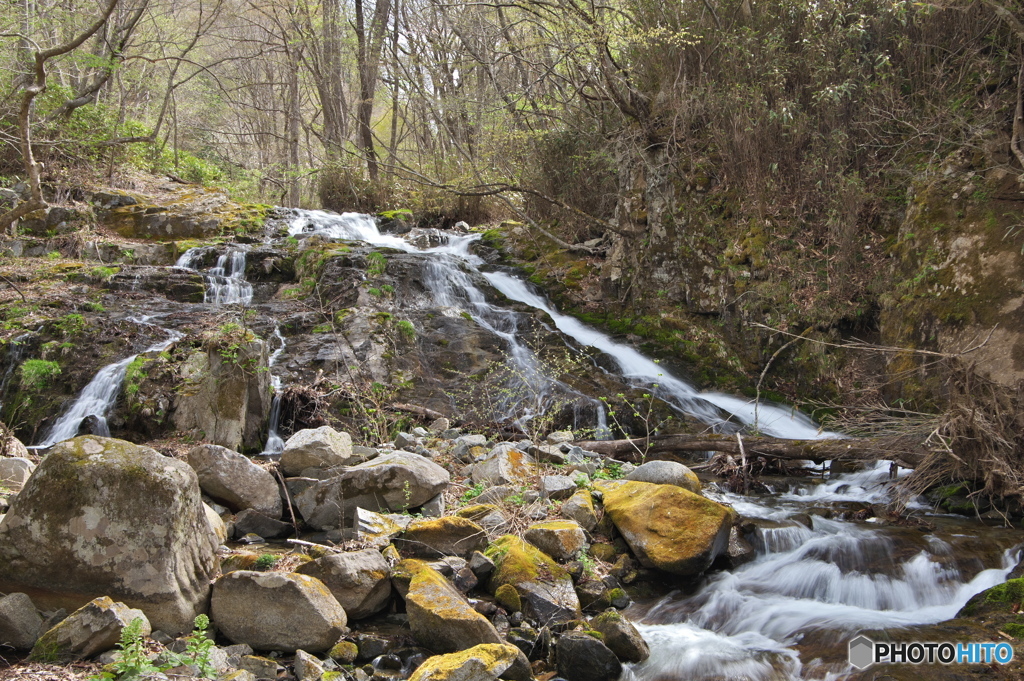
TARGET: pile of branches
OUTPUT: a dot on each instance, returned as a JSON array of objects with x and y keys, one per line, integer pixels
[{"x": 978, "y": 440}]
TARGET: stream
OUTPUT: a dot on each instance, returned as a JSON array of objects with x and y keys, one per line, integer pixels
[{"x": 817, "y": 579}]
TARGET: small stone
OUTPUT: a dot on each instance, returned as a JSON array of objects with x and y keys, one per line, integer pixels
[
  {"x": 307, "y": 667},
  {"x": 15, "y": 472},
  {"x": 252, "y": 521},
  {"x": 556, "y": 487},
  {"x": 580, "y": 507},
  {"x": 260, "y": 667},
  {"x": 621, "y": 637},
  {"x": 344, "y": 652},
  {"x": 439, "y": 425},
  {"x": 666, "y": 473},
  {"x": 405, "y": 441},
  {"x": 560, "y": 539},
  {"x": 434, "y": 508},
  {"x": 481, "y": 565},
  {"x": 559, "y": 436}
]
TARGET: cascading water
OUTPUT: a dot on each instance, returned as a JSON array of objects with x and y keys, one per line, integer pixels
[
  {"x": 815, "y": 585},
  {"x": 99, "y": 395},
  {"x": 14, "y": 357},
  {"x": 225, "y": 281},
  {"x": 452, "y": 286},
  {"x": 275, "y": 444}
]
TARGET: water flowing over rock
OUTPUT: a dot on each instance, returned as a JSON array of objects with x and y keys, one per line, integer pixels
[
  {"x": 391, "y": 482},
  {"x": 668, "y": 527},
  {"x": 277, "y": 611},
  {"x": 103, "y": 517},
  {"x": 360, "y": 580},
  {"x": 226, "y": 395},
  {"x": 234, "y": 480}
]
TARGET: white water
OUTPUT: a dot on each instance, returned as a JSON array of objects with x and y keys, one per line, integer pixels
[
  {"x": 829, "y": 581},
  {"x": 452, "y": 286},
  {"x": 99, "y": 395},
  {"x": 275, "y": 444},
  {"x": 225, "y": 281}
]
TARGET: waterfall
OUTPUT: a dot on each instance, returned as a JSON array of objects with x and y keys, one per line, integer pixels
[
  {"x": 225, "y": 281},
  {"x": 97, "y": 398},
  {"x": 450, "y": 278},
  {"x": 275, "y": 444}
]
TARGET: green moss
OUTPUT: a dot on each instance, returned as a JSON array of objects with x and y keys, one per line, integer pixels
[
  {"x": 1009, "y": 592},
  {"x": 507, "y": 597},
  {"x": 1014, "y": 629},
  {"x": 36, "y": 374}
]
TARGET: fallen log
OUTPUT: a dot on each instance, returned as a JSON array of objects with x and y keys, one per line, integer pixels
[{"x": 905, "y": 453}]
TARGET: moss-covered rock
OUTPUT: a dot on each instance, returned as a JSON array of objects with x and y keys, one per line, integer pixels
[
  {"x": 88, "y": 631},
  {"x": 621, "y": 637},
  {"x": 668, "y": 527},
  {"x": 440, "y": 617},
  {"x": 104, "y": 517},
  {"x": 508, "y": 598},
  {"x": 485, "y": 662},
  {"x": 447, "y": 536},
  {"x": 560, "y": 539},
  {"x": 545, "y": 587}
]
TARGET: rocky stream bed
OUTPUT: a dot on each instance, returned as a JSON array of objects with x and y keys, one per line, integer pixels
[{"x": 194, "y": 385}]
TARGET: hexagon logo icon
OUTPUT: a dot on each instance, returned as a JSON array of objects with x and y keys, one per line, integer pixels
[{"x": 862, "y": 652}]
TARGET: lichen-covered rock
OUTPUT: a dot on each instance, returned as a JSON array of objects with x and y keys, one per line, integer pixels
[
  {"x": 277, "y": 611},
  {"x": 235, "y": 481},
  {"x": 88, "y": 631},
  {"x": 104, "y": 517},
  {"x": 544, "y": 586},
  {"x": 360, "y": 580},
  {"x": 484, "y": 662},
  {"x": 504, "y": 464},
  {"x": 448, "y": 536},
  {"x": 666, "y": 473},
  {"x": 307, "y": 667},
  {"x": 621, "y": 637},
  {"x": 15, "y": 472},
  {"x": 439, "y": 616},
  {"x": 391, "y": 482},
  {"x": 19, "y": 621},
  {"x": 560, "y": 539},
  {"x": 581, "y": 657},
  {"x": 668, "y": 527},
  {"x": 580, "y": 507},
  {"x": 226, "y": 396},
  {"x": 322, "y": 447}
]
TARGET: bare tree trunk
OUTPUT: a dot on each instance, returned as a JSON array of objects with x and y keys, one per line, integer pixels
[
  {"x": 369, "y": 44},
  {"x": 294, "y": 115}
]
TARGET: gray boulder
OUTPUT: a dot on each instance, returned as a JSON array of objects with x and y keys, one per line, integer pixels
[
  {"x": 581, "y": 657},
  {"x": 391, "y": 482},
  {"x": 88, "y": 631},
  {"x": 580, "y": 507},
  {"x": 277, "y": 611},
  {"x": 505, "y": 464},
  {"x": 556, "y": 487},
  {"x": 666, "y": 473},
  {"x": 235, "y": 481},
  {"x": 560, "y": 539},
  {"x": 621, "y": 637},
  {"x": 15, "y": 472},
  {"x": 322, "y": 447},
  {"x": 360, "y": 580},
  {"x": 104, "y": 517},
  {"x": 19, "y": 621}
]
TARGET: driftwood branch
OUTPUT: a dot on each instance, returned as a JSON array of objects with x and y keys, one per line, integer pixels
[{"x": 907, "y": 454}]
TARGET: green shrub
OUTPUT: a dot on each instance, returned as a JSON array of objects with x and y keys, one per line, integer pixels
[{"x": 36, "y": 373}]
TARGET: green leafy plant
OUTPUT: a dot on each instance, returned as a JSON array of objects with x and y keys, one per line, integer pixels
[
  {"x": 198, "y": 647},
  {"x": 265, "y": 561},
  {"x": 36, "y": 373},
  {"x": 376, "y": 264},
  {"x": 133, "y": 660},
  {"x": 473, "y": 492},
  {"x": 407, "y": 329}
]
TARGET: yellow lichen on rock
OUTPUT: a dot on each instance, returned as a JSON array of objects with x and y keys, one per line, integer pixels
[
  {"x": 479, "y": 663},
  {"x": 668, "y": 527}
]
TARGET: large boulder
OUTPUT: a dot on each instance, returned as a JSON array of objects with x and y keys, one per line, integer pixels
[
  {"x": 668, "y": 527},
  {"x": 485, "y": 662},
  {"x": 235, "y": 481},
  {"x": 322, "y": 447},
  {"x": 666, "y": 473},
  {"x": 544, "y": 587},
  {"x": 19, "y": 621},
  {"x": 277, "y": 611},
  {"x": 104, "y": 517},
  {"x": 504, "y": 464},
  {"x": 391, "y": 482},
  {"x": 226, "y": 395},
  {"x": 447, "y": 536},
  {"x": 88, "y": 631},
  {"x": 360, "y": 580},
  {"x": 440, "y": 617}
]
